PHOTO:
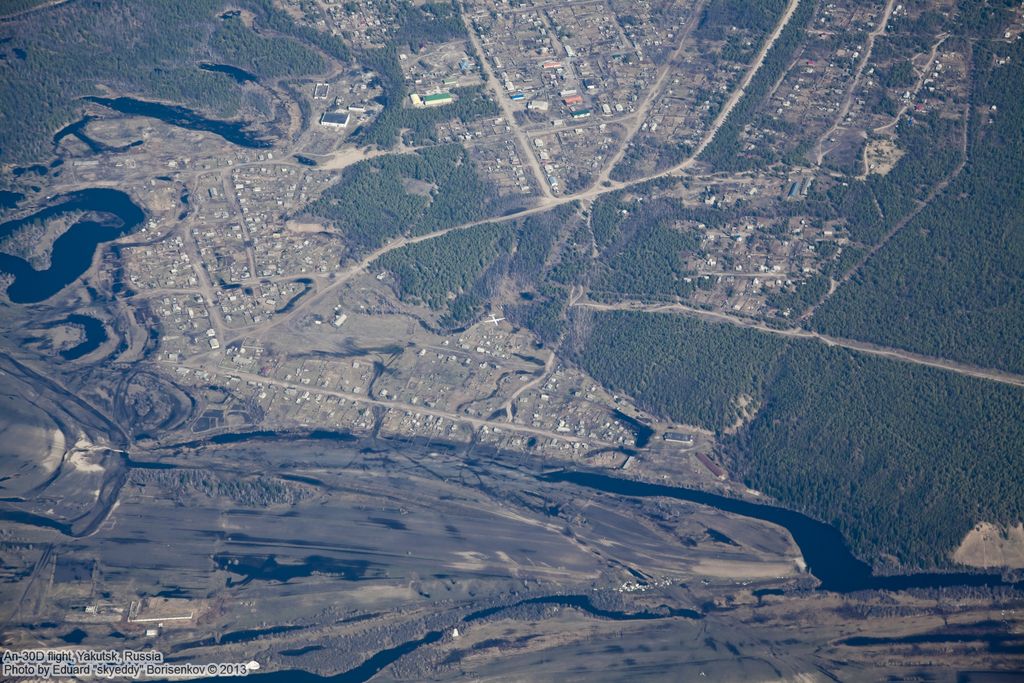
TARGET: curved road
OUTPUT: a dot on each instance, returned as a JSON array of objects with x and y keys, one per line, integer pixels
[{"x": 547, "y": 203}]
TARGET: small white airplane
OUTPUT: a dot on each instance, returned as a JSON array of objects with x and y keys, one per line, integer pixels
[{"x": 494, "y": 320}]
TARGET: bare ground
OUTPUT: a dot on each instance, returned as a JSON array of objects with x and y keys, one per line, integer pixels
[{"x": 992, "y": 545}]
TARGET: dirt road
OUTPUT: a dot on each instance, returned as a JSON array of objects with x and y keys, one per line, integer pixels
[
  {"x": 455, "y": 417},
  {"x": 741, "y": 90},
  {"x": 937, "y": 189},
  {"x": 545, "y": 203},
  {"x": 641, "y": 113},
  {"x": 506, "y": 108},
  {"x": 802, "y": 333},
  {"x": 844, "y": 108}
]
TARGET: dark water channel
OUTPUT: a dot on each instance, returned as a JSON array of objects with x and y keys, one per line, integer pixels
[
  {"x": 823, "y": 547},
  {"x": 112, "y": 214},
  {"x": 235, "y": 132}
]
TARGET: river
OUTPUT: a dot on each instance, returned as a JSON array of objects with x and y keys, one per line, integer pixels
[
  {"x": 823, "y": 547},
  {"x": 373, "y": 664}
]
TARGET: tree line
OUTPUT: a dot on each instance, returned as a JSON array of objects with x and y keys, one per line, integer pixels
[
  {"x": 951, "y": 282},
  {"x": 904, "y": 459}
]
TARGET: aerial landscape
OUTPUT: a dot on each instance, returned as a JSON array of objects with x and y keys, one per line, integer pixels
[{"x": 512, "y": 340}]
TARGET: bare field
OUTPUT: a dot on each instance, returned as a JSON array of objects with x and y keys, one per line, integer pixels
[{"x": 989, "y": 545}]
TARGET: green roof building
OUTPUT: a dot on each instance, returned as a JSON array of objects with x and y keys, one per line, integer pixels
[{"x": 437, "y": 99}]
